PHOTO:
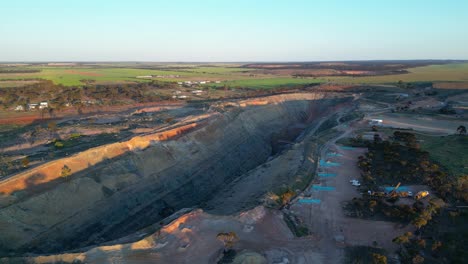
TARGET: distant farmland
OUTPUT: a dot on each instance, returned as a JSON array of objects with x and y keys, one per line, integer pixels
[
  {"x": 231, "y": 75},
  {"x": 271, "y": 82},
  {"x": 70, "y": 76},
  {"x": 433, "y": 73}
]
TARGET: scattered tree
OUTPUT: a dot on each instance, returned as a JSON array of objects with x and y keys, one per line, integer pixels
[
  {"x": 287, "y": 196},
  {"x": 379, "y": 259},
  {"x": 401, "y": 84},
  {"x": 228, "y": 239},
  {"x": 419, "y": 222},
  {"x": 25, "y": 162},
  {"x": 418, "y": 259},
  {"x": 436, "y": 245},
  {"x": 377, "y": 138},
  {"x": 421, "y": 243},
  {"x": 403, "y": 239},
  {"x": 461, "y": 130},
  {"x": 66, "y": 171},
  {"x": 58, "y": 144},
  {"x": 372, "y": 205}
]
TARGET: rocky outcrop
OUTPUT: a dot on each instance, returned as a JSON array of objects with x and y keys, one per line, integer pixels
[{"x": 115, "y": 195}]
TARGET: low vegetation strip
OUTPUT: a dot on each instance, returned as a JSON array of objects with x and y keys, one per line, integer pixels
[
  {"x": 439, "y": 224},
  {"x": 403, "y": 161},
  {"x": 18, "y": 70},
  {"x": 298, "y": 229}
]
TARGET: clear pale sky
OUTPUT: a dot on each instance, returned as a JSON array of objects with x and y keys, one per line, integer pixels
[{"x": 236, "y": 30}]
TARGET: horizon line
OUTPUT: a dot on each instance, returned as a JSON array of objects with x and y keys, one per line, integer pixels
[{"x": 253, "y": 61}]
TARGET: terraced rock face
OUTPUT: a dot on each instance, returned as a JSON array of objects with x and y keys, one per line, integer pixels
[{"x": 120, "y": 188}]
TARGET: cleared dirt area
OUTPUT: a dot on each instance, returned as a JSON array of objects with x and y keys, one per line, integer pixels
[
  {"x": 451, "y": 85},
  {"x": 325, "y": 217},
  {"x": 421, "y": 123}
]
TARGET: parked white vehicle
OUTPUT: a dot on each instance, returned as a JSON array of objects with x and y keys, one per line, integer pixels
[{"x": 356, "y": 184}]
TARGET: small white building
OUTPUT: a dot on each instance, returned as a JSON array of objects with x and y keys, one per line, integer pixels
[
  {"x": 88, "y": 102},
  {"x": 202, "y": 82},
  {"x": 32, "y": 106},
  {"x": 375, "y": 122},
  {"x": 43, "y": 105},
  {"x": 218, "y": 82},
  {"x": 197, "y": 91},
  {"x": 182, "y": 97},
  {"x": 19, "y": 108}
]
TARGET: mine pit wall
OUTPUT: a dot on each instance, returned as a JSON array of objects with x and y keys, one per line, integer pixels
[{"x": 121, "y": 195}]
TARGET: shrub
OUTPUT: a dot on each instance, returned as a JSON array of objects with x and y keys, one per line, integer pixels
[
  {"x": 379, "y": 259},
  {"x": 58, "y": 144},
  {"x": 66, "y": 171},
  {"x": 75, "y": 135}
]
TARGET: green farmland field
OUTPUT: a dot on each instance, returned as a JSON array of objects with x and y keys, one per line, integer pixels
[
  {"x": 72, "y": 76},
  {"x": 450, "y": 151},
  {"x": 232, "y": 75},
  {"x": 271, "y": 82}
]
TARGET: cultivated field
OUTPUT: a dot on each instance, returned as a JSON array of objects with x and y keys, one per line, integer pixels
[
  {"x": 73, "y": 76},
  {"x": 234, "y": 75},
  {"x": 432, "y": 73}
]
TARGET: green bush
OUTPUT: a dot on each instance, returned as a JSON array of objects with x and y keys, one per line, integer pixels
[
  {"x": 58, "y": 144},
  {"x": 75, "y": 135}
]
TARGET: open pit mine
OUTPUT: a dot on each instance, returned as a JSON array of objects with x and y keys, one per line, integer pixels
[{"x": 216, "y": 165}]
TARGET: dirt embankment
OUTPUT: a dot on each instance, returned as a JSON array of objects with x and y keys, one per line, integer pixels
[{"x": 122, "y": 187}]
